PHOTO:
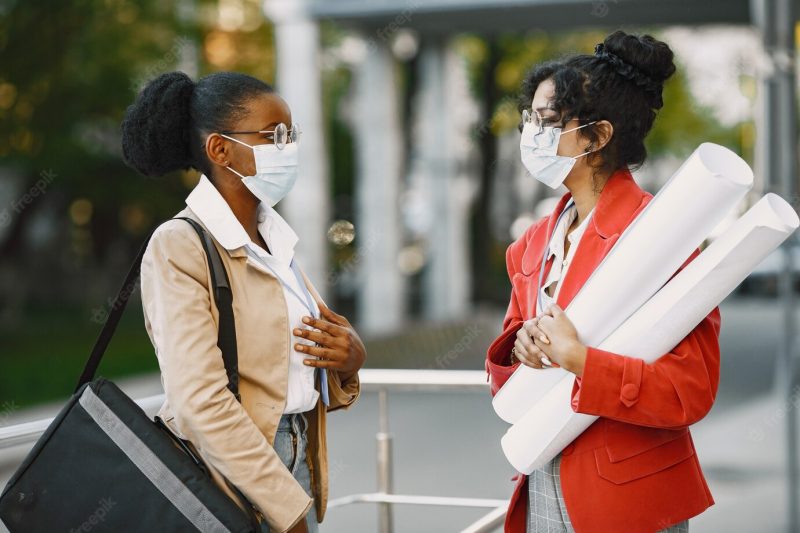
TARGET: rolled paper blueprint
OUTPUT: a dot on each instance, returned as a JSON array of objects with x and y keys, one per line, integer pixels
[
  {"x": 658, "y": 326},
  {"x": 676, "y": 221}
]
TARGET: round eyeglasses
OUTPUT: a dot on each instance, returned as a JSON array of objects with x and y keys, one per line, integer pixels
[
  {"x": 536, "y": 120},
  {"x": 280, "y": 136},
  {"x": 533, "y": 117}
]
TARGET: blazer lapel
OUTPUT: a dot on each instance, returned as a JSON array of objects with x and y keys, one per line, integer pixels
[
  {"x": 311, "y": 288},
  {"x": 621, "y": 200},
  {"x": 534, "y": 250},
  {"x": 532, "y": 260}
]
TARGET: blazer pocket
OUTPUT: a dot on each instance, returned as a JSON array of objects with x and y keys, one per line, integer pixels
[
  {"x": 625, "y": 440},
  {"x": 643, "y": 464}
]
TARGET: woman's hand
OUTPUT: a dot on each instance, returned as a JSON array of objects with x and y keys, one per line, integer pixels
[
  {"x": 526, "y": 350},
  {"x": 340, "y": 348},
  {"x": 562, "y": 346},
  {"x": 550, "y": 339}
]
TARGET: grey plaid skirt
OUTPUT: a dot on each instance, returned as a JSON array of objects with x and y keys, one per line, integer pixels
[{"x": 546, "y": 510}]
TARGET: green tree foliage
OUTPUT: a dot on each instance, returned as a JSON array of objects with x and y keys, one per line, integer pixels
[{"x": 70, "y": 69}]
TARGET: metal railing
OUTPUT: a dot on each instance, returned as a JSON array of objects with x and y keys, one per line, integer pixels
[{"x": 382, "y": 382}]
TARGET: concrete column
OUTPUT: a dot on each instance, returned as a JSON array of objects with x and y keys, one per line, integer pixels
[
  {"x": 778, "y": 148},
  {"x": 307, "y": 207},
  {"x": 443, "y": 174},
  {"x": 379, "y": 163}
]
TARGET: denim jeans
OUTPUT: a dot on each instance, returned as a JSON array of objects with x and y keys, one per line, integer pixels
[{"x": 291, "y": 442}]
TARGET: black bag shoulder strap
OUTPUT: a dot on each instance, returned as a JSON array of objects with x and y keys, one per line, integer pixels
[{"x": 223, "y": 297}]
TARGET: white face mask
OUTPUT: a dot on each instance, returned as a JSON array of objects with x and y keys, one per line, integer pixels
[
  {"x": 539, "y": 154},
  {"x": 276, "y": 171}
]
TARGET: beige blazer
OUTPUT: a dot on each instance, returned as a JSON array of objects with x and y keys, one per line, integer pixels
[{"x": 234, "y": 439}]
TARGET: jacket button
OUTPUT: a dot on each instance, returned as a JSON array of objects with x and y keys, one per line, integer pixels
[
  {"x": 568, "y": 450},
  {"x": 629, "y": 392}
]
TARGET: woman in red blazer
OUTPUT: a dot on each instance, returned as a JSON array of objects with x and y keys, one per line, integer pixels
[{"x": 635, "y": 469}]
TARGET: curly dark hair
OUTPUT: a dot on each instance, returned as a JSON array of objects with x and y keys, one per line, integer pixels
[
  {"x": 621, "y": 83},
  {"x": 165, "y": 128}
]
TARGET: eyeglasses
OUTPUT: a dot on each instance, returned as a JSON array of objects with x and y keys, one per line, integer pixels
[
  {"x": 280, "y": 136},
  {"x": 533, "y": 117}
]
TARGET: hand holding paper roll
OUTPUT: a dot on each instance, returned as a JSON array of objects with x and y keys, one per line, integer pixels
[
  {"x": 667, "y": 317},
  {"x": 711, "y": 182},
  {"x": 553, "y": 337},
  {"x": 526, "y": 350}
]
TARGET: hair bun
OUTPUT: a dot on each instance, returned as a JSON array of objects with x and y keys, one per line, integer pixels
[
  {"x": 642, "y": 59},
  {"x": 157, "y": 126}
]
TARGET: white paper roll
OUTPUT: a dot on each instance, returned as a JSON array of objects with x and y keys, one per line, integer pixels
[
  {"x": 676, "y": 221},
  {"x": 658, "y": 326}
]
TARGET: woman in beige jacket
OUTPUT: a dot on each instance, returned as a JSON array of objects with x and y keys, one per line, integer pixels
[{"x": 297, "y": 359}]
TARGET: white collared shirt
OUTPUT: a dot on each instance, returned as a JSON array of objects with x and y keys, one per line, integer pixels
[
  {"x": 216, "y": 215},
  {"x": 561, "y": 264}
]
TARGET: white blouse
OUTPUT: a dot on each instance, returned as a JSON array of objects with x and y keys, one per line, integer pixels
[
  {"x": 216, "y": 215},
  {"x": 561, "y": 264}
]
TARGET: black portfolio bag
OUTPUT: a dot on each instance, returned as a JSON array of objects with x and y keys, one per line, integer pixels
[{"x": 104, "y": 466}]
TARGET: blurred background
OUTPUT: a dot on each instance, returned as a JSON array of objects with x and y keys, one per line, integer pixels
[{"x": 411, "y": 188}]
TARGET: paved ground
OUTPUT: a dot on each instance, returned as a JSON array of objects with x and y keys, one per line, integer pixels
[{"x": 447, "y": 445}]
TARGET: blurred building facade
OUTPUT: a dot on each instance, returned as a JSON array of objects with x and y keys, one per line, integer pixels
[{"x": 427, "y": 187}]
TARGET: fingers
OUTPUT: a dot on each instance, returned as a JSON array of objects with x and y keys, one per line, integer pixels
[
  {"x": 525, "y": 357},
  {"x": 335, "y": 340},
  {"x": 323, "y": 325},
  {"x": 557, "y": 326},
  {"x": 524, "y": 340},
  {"x": 325, "y": 363},
  {"x": 545, "y": 326},
  {"x": 318, "y": 337},
  {"x": 319, "y": 351},
  {"x": 536, "y": 357},
  {"x": 334, "y": 359},
  {"x": 534, "y": 331},
  {"x": 543, "y": 357},
  {"x": 332, "y": 316},
  {"x": 541, "y": 352},
  {"x": 528, "y": 352},
  {"x": 324, "y": 358}
]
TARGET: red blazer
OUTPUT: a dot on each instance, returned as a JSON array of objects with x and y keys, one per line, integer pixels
[{"x": 635, "y": 469}]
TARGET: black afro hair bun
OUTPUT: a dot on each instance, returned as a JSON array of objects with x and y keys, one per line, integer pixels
[
  {"x": 156, "y": 131},
  {"x": 642, "y": 59}
]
